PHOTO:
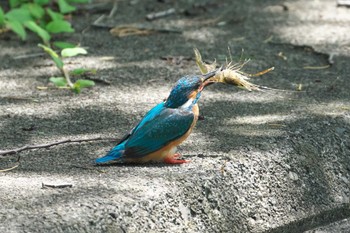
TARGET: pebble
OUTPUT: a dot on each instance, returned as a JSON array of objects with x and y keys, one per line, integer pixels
[{"x": 293, "y": 176}]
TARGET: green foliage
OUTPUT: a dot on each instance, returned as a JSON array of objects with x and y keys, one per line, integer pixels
[
  {"x": 58, "y": 61},
  {"x": 82, "y": 83},
  {"x": 82, "y": 71},
  {"x": 72, "y": 52},
  {"x": 54, "y": 15},
  {"x": 65, "y": 82},
  {"x": 35, "y": 10},
  {"x": 41, "y": 2},
  {"x": 2, "y": 17},
  {"x": 14, "y": 3},
  {"x": 65, "y": 7},
  {"x": 17, "y": 28},
  {"x": 44, "y": 35},
  {"x": 58, "y": 81},
  {"x": 59, "y": 26},
  {"x": 20, "y": 15},
  {"x": 63, "y": 45},
  {"x": 37, "y": 16}
]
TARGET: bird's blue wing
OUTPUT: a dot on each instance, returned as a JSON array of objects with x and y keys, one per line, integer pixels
[
  {"x": 165, "y": 127},
  {"x": 118, "y": 151},
  {"x": 149, "y": 116},
  {"x": 115, "y": 153}
]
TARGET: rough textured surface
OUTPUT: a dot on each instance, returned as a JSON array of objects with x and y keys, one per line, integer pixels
[{"x": 276, "y": 161}]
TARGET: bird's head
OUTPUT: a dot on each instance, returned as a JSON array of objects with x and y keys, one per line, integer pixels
[{"x": 187, "y": 90}]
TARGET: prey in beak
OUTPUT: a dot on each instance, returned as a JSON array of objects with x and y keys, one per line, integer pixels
[{"x": 206, "y": 78}]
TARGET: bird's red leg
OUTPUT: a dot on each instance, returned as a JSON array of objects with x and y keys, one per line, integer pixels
[{"x": 174, "y": 160}]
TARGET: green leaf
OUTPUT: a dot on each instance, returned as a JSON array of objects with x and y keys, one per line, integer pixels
[
  {"x": 65, "y": 7},
  {"x": 34, "y": 9},
  {"x": 71, "y": 52},
  {"x": 63, "y": 45},
  {"x": 44, "y": 35},
  {"x": 17, "y": 28},
  {"x": 58, "y": 26},
  {"x": 58, "y": 81},
  {"x": 41, "y": 2},
  {"x": 76, "y": 89},
  {"x": 14, "y": 3},
  {"x": 82, "y": 83},
  {"x": 81, "y": 71},
  {"x": 2, "y": 17},
  {"x": 19, "y": 14},
  {"x": 54, "y": 55},
  {"x": 54, "y": 15}
]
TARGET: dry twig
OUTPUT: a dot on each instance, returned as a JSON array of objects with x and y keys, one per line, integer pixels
[
  {"x": 160, "y": 14},
  {"x": 30, "y": 147},
  {"x": 316, "y": 67},
  {"x": 11, "y": 168},
  {"x": 57, "y": 186}
]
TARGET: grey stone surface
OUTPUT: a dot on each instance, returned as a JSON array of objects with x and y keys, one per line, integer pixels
[
  {"x": 275, "y": 161},
  {"x": 339, "y": 226}
]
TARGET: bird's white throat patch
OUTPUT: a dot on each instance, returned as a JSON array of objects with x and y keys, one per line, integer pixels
[{"x": 188, "y": 103}]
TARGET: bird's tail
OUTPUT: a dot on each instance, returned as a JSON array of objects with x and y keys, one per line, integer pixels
[{"x": 115, "y": 153}]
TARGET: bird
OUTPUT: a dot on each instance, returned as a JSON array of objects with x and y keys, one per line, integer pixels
[{"x": 156, "y": 137}]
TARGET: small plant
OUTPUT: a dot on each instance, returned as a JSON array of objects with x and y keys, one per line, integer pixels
[
  {"x": 65, "y": 81},
  {"x": 38, "y": 16}
]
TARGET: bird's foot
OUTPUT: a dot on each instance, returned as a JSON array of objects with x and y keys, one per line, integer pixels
[
  {"x": 174, "y": 160},
  {"x": 176, "y": 156}
]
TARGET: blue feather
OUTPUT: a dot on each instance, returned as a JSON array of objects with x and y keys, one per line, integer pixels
[
  {"x": 169, "y": 125},
  {"x": 118, "y": 151},
  {"x": 115, "y": 153},
  {"x": 155, "y": 111},
  {"x": 182, "y": 89},
  {"x": 166, "y": 122}
]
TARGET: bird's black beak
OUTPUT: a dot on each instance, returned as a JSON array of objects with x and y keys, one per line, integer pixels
[{"x": 209, "y": 75}]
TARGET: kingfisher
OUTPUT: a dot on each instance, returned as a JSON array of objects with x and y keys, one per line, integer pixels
[{"x": 156, "y": 137}]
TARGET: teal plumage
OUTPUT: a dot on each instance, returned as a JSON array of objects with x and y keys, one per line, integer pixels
[{"x": 163, "y": 127}]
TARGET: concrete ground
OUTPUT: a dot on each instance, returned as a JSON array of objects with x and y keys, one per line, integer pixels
[{"x": 274, "y": 161}]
